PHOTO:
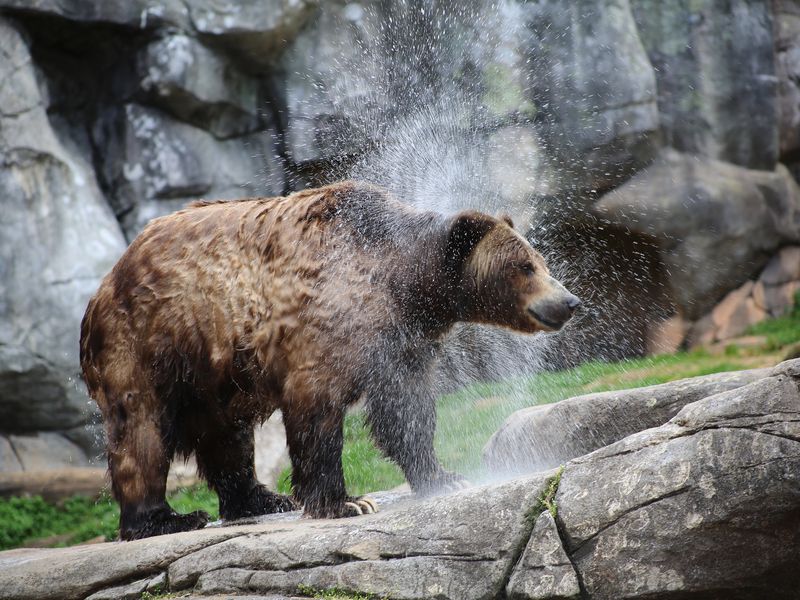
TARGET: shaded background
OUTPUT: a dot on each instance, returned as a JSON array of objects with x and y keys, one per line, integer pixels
[{"x": 648, "y": 148}]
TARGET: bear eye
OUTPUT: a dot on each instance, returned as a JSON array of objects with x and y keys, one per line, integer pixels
[{"x": 527, "y": 268}]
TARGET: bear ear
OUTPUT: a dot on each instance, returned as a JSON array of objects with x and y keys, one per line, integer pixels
[
  {"x": 466, "y": 231},
  {"x": 506, "y": 218}
]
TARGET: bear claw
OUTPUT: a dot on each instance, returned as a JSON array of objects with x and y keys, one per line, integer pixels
[{"x": 362, "y": 506}]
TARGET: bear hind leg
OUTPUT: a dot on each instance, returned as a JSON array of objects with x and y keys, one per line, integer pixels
[
  {"x": 138, "y": 459},
  {"x": 226, "y": 461}
]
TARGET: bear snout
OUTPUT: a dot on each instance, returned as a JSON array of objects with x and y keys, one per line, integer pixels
[{"x": 553, "y": 313}]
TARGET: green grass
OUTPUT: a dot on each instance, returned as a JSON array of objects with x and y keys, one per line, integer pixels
[
  {"x": 79, "y": 519},
  {"x": 466, "y": 420}
]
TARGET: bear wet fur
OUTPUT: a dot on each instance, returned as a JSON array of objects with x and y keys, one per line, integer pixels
[{"x": 220, "y": 314}]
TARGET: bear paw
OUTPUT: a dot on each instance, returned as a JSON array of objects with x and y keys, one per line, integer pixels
[
  {"x": 351, "y": 507},
  {"x": 161, "y": 521}
]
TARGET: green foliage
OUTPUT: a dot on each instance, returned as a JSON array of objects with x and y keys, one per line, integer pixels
[
  {"x": 547, "y": 501},
  {"x": 782, "y": 331},
  {"x": 79, "y": 518},
  {"x": 82, "y": 518}
]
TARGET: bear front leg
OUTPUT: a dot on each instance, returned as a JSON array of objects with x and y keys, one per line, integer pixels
[
  {"x": 315, "y": 441},
  {"x": 403, "y": 427}
]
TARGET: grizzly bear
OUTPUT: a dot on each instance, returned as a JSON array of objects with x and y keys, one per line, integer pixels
[{"x": 221, "y": 313}]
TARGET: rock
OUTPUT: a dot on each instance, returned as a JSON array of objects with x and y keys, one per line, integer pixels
[
  {"x": 716, "y": 224},
  {"x": 57, "y": 239},
  {"x": 604, "y": 127},
  {"x": 133, "y": 591},
  {"x": 666, "y": 337},
  {"x": 694, "y": 48},
  {"x": 703, "y": 506},
  {"x": 783, "y": 267},
  {"x": 158, "y": 164},
  {"x": 256, "y": 31},
  {"x": 457, "y": 546},
  {"x": 787, "y": 66},
  {"x": 545, "y": 570},
  {"x": 9, "y": 462},
  {"x": 718, "y": 480},
  {"x": 545, "y": 436},
  {"x": 45, "y": 451},
  {"x": 140, "y": 14},
  {"x": 737, "y": 311},
  {"x": 272, "y": 454},
  {"x": 199, "y": 86},
  {"x": 777, "y": 300}
]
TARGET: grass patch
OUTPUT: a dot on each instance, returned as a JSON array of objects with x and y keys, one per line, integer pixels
[
  {"x": 547, "y": 501},
  {"x": 79, "y": 519},
  {"x": 782, "y": 331}
]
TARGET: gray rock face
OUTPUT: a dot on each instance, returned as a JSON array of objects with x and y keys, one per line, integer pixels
[
  {"x": 717, "y": 84},
  {"x": 716, "y": 224},
  {"x": 57, "y": 239},
  {"x": 543, "y": 437},
  {"x": 198, "y": 86},
  {"x": 707, "y": 505},
  {"x": 160, "y": 164},
  {"x": 604, "y": 127},
  {"x": 703, "y": 506},
  {"x": 544, "y": 570},
  {"x": 787, "y": 62}
]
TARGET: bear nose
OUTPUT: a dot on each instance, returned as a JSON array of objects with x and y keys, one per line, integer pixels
[{"x": 573, "y": 302}]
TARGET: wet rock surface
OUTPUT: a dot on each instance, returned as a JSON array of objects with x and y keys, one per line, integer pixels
[{"x": 704, "y": 505}]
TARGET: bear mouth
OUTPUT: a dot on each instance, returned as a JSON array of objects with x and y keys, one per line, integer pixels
[{"x": 554, "y": 326}]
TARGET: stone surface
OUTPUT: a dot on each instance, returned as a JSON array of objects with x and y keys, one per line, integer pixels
[
  {"x": 716, "y": 76},
  {"x": 545, "y": 436},
  {"x": 716, "y": 224},
  {"x": 9, "y": 462},
  {"x": 57, "y": 239},
  {"x": 199, "y": 86},
  {"x": 604, "y": 127},
  {"x": 703, "y": 506},
  {"x": 544, "y": 570},
  {"x": 777, "y": 300},
  {"x": 159, "y": 164},
  {"x": 787, "y": 64},
  {"x": 666, "y": 337},
  {"x": 783, "y": 267},
  {"x": 133, "y": 13},
  {"x": 457, "y": 546},
  {"x": 45, "y": 451}
]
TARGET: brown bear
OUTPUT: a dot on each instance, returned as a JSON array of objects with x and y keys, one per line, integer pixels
[{"x": 221, "y": 313}]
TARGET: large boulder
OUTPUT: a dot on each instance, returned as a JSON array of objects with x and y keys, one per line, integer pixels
[
  {"x": 545, "y": 436},
  {"x": 705, "y": 506},
  {"x": 57, "y": 239},
  {"x": 787, "y": 63},
  {"x": 715, "y": 224},
  {"x": 437, "y": 83},
  {"x": 715, "y": 71}
]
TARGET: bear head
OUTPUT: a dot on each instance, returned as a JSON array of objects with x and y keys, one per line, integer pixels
[{"x": 501, "y": 279}]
